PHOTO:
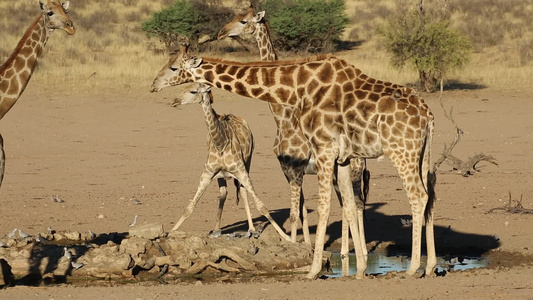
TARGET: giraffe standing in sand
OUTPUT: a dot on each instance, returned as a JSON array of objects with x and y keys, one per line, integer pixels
[
  {"x": 230, "y": 145},
  {"x": 344, "y": 115},
  {"x": 16, "y": 72},
  {"x": 291, "y": 147}
]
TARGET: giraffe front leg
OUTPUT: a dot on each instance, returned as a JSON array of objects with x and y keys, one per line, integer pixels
[
  {"x": 305, "y": 221},
  {"x": 296, "y": 190},
  {"x": 345, "y": 246},
  {"x": 325, "y": 165},
  {"x": 205, "y": 180}
]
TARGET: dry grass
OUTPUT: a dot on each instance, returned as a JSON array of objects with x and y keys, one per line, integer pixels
[{"x": 110, "y": 52}]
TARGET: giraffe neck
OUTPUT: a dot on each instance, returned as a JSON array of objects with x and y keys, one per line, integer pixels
[
  {"x": 264, "y": 42},
  {"x": 215, "y": 129},
  {"x": 16, "y": 72}
]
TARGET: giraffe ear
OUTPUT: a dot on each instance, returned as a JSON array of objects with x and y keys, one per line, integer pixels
[
  {"x": 259, "y": 16},
  {"x": 65, "y": 5},
  {"x": 194, "y": 62},
  {"x": 42, "y": 5}
]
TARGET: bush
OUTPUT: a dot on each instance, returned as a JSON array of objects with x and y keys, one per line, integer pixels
[
  {"x": 305, "y": 25},
  {"x": 426, "y": 41},
  {"x": 187, "y": 21}
]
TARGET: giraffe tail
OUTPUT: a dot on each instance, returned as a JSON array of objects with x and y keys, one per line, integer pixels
[{"x": 429, "y": 171}]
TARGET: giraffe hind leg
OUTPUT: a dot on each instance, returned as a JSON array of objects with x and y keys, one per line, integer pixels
[
  {"x": 2, "y": 159},
  {"x": 244, "y": 179},
  {"x": 223, "y": 193},
  {"x": 241, "y": 194}
]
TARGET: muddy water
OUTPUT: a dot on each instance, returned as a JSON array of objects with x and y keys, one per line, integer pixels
[{"x": 381, "y": 264}]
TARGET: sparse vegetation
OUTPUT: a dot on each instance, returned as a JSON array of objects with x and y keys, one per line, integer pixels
[
  {"x": 109, "y": 40},
  {"x": 306, "y": 25},
  {"x": 423, "y": 38}
]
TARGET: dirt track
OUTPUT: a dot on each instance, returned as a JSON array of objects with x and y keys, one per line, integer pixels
[{"x": 98, "y": 152}]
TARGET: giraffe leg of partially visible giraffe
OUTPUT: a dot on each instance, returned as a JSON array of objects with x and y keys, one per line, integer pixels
[
  {"x": 246, "y": 182},
  {"x": 241, "y": 194},
  {"x": 350, "y": 214},
  {"x": 2, "y": 159},
  {"x": 305, "y": 222},
  {"x": 345, "y": 247},
  {"x": 430, "y": 236},
  {"x": 360, "y": 177},
  {"x": 206, "y": 178},
  {"x": 223, "y": 193}
]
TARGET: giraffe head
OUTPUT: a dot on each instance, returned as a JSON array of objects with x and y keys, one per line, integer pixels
[
  {"x": 197, "y": 93},
  {"x": 175, "y": 72},
  {"x": 55, "y": 14},
  {"x": 243, "y": 23}
]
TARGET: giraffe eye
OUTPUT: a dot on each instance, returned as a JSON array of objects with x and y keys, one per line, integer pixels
[
  {"x": 243, "y": 22},
  {"x": 50, "y": 13},
  {"x": 194, "y": 92},
  {"x": 173, "y": 69}
]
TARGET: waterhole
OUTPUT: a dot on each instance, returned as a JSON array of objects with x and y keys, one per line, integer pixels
[{"x": 379, "y": 264}]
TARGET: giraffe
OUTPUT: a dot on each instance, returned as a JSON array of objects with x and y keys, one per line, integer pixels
[
  {"x": 230, "y": 145},
  {"x": 16, "y": 72},
  {"x": 290, "y": 145},
  {"x": 344, "y": 115}
]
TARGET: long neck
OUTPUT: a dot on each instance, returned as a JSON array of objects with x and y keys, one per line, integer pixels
[
  {"x": 16, "y": 72},
  {"x": 215, "y": 129},
  {"x": 264, "y": 42}
]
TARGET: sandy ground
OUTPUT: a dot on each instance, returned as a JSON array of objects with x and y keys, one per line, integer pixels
[{"x": 98, "y": 152}]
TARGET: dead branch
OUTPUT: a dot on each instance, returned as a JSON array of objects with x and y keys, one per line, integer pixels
[
  {"x": 464, "y": 168},
  {"x": 509, "y": 208}
]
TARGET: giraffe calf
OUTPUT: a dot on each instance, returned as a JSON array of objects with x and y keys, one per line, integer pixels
[{"x": 230, "y": 144}]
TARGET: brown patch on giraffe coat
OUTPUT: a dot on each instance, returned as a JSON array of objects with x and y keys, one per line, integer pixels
[
  {"x": 219, "y": 85},
  {"x": 312, "y": 120},
  {"x": 312, "y": 86},
  {"x": 349, "y": 101},
  {"x": 321, "y": 92},
  {"x": 233, "y": 70},
  {"x": 351, "y": 74},
  {"x": 378, "y": 88},
  {"x": 240, "y": 89},
  {"x": 19, "y": 63},
  {"x": 373, "y": 97},
  {"x": 227, "y": 87},
  {"x": 252, "y": 78},
  {"x": 13, "y": 88},
  {"x": 386, "y": 105},
  {"x": 267, "y": 97},
  {"x": 10, "y": 73},
  {"x": 219, "y": 69},
  {"x": 26, "y": 51},
  {"x": 269, "y": 76},
  {"x": 313, "y": 65},
  {"x": 4, "y": 84},
  {"x": 283, "y": 94},
  {"x": 342, "y": 77},
  {"x": 326, "y": 74},
  {"x": 209, "y": 76},
  {"x": 360, "y": 94},
  {"x": 242, "y": 72},
  {"x": 302, "y": 76},
  {"x": 225, "y": 78},
  {"x": 370, "y": 137},
  {"x": 287, "y": 73},
  {"x": 366, "y": 109},
  {"x": 293, "y": 99}
]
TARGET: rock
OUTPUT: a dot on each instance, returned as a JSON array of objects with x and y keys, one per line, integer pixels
[
  {"x": 177, "y": 234},
  {"x": 75, "y": 236},
  {"x": 147, "y": 231},
  {"x": 135, "y": 246},
  {"x": 6, "y": 276}
]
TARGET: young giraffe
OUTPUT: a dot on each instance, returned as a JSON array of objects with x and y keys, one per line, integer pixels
[
  {"x": 291, "y": 147},
  {"x": 16, "y": 72},
  {"x": 230, "y": 145},
  {"x": 344, "y": 115}
]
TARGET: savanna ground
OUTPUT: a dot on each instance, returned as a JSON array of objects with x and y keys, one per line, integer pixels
[{"x": 88, "y": 130}]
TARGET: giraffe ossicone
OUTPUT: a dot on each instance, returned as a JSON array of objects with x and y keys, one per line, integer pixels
[{"x": 345, "y": 114}]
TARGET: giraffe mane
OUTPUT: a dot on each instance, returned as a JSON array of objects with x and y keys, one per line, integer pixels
[{"x": 269, "y": 63}]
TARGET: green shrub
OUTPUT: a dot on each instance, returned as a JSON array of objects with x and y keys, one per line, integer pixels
[
  {"x": 426, "y": 41},
  {"x": 187, "y": 21},
  {"x": 305, "y": 25}
]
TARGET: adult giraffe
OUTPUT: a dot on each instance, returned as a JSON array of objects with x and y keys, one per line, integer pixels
[
  {"x": 291, "y": 147},
  {"x": 16, "y": 72},
  {"x": 344, "y": 116}
]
